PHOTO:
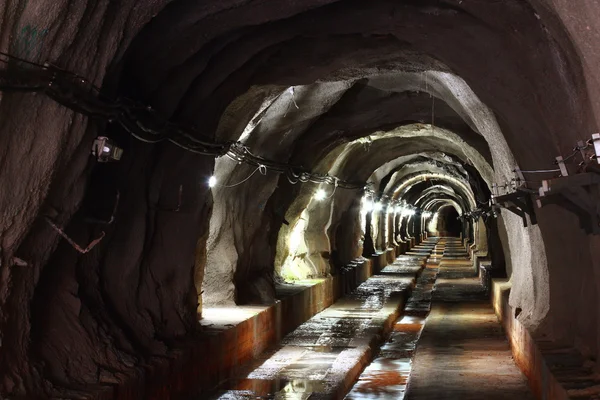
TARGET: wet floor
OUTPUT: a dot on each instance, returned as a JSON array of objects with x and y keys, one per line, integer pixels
[
  {"x": 423, "y": 329},
  {"x": 462, "y": 351},
  {"x": 387, "y": 376},
  {"x": 448, "y": 344},
  {"x": 323, "y": 357}
]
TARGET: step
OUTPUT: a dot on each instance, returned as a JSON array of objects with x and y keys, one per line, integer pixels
[{"x": 324, "y": 356}]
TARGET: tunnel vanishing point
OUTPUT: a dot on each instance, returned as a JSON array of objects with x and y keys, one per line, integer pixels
[{"x": 299, "y": 199}]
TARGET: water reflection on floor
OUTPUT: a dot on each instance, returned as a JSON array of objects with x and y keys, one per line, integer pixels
[
  {"x": 387, "y": 376},
  {"x": 324, "y": 356}
]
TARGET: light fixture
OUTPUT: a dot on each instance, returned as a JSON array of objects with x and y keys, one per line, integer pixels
[
  {"x": 106, "y": 150},
  {"x": 320, "y": 195},
  {"x": 378, "y": 207},
  {"x": 367, "y": 205},
  {"x": 399, "y": 209},
  {"x": 426, "y": 214},
  {"x": 212, "y": 181},
  {"x": 408, "y": 212}
]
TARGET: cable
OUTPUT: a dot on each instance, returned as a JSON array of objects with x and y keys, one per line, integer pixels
[
  {"x": 334, "y": 189},
  {"x": 261, "y": 168},
  {"x": 142, "y": 123}
]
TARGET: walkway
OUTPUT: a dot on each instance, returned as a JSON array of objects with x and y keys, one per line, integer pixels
[{"x": 462, "y": 352}]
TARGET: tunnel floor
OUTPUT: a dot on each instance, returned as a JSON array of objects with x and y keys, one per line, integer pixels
[
  {"x": 462, "y": 352},
  {"x": 442, "y": 340}
]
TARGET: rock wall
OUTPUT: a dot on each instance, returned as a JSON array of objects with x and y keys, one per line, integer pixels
[{"x": 515, "y": 82}]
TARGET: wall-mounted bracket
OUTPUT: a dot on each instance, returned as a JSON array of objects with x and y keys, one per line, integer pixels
[
  {"x": 579, "y": 194},
  {"x": 518, "y": 202}
]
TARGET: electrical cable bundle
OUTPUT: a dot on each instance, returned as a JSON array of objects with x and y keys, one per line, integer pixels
[{"x": 143, "y": 123}]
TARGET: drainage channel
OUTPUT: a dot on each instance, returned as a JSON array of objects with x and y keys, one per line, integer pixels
[
  {"x": 325, "y": 356},
  {"x": 387, "y": 376}
]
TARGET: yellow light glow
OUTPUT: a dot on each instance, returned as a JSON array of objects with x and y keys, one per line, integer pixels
[
  {"x": 320, "y": 195},
  {"x": 212, "y": 181},
  {"x": 297, "y": 236}
]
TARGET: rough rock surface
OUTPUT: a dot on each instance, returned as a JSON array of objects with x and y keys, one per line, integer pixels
[{"x": 514, "y": 81}]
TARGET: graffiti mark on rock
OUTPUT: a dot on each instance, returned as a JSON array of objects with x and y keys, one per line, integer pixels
[{"x": 29, "y": 42}]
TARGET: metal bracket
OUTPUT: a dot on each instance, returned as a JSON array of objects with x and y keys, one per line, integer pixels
[
  {"x": 521, "y": 182},
  {"x": 596, "y": 142},
  {"x": 520, "y": 203},
  {"x": 579, "y": 194},
  {"x": 561, "y": 164}
]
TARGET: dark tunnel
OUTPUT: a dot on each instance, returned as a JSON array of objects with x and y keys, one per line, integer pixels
[{"x": 267, "y": 198}]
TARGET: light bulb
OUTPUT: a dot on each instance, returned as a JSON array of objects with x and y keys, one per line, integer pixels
[
  {"x": 212, "y": 181},
  {"x": 320, "y": 195}
]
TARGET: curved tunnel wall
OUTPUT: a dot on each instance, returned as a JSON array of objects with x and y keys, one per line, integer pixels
[{"x": 222, "y": 68}]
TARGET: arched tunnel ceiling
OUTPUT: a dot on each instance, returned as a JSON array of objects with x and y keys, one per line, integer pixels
[
  {"x": 440, "y": 162},
  {"x": 361, "y": 158},
  {"x": 345, "y": 104},
  {"x": 420, "y": 188},
  {"x": 423, "y": 193},
  {"x": 300, "y": 82},
  {"x": 275, "y": 47}
]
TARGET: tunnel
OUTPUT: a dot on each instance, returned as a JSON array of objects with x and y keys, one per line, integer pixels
[{"x": 299, "y": 199}]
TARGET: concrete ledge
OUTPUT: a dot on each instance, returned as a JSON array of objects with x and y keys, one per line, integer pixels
[
  {"x": 391, "y": 255},
  {"x": 403, "y": 247},
  {"x": 233, "y": 336},
  {"x": 392, "y": 310},
  {"x": 525, "y": 350},
  {"x": 380, "y": 260},
  {"x": 485, "y": 274}
]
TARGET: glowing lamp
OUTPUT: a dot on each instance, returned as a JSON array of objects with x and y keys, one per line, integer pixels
[
  {"x": 212, "y": 181},
  {"x": 320, "y": 195},
  {"x": 106, "y": 150},
  {"x": 367, "y": 205},
  {"x": 408, "y": 212}
]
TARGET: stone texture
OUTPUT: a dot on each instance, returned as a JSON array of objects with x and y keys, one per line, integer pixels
[{"x": 515, "y": 81}]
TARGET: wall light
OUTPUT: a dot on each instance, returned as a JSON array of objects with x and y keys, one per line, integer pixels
[
  {"x": 106, "y": 150},
  {"x": 320, "y": 195},
  {"x": 367, "y": 205},
  {"x": 212, "y": 181}
]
